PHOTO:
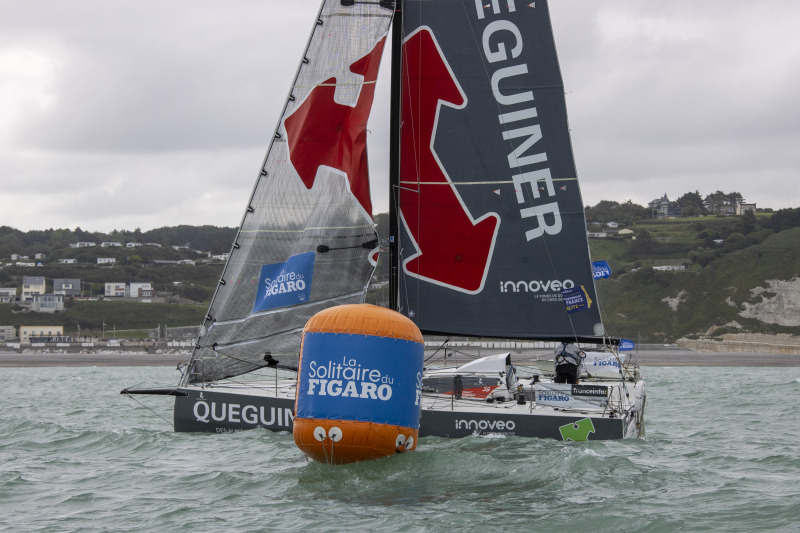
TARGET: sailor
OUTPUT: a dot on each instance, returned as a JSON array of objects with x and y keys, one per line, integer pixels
[{"x": 567, "y": 360}]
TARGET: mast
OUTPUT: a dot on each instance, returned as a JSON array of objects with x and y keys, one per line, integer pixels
[{"x": 394, "y": 151}]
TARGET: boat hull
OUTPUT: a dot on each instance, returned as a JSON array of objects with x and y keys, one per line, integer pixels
[
  {"x": 581, "y": 427},
  {"x": 225, "y": 412}
]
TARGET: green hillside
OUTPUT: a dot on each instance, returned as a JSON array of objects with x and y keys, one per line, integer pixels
[
  {"x": 705, "y": 298},
  {"x": 725, "y": 259}
]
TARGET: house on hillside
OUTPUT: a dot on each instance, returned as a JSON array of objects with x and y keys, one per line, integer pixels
[
  {"x": 41, "y": 333},
  {"x": 115, "y": 290},
  {"x": 8, "y": 295},
  {"x": 141, "y": 289},
  {"x": 110, "y": 244},
  {"x": 134, "y": 244},
  {"x": 742, "y": 208},
  {"x": 106, "y": 260},
  {"x": 663, "y": 208},
  {"x": 67, "y": 261},
  {"x": 82, "y": 244},
  {"x": 47, "y": 303},
  {"x": 67, "y": 287},
  {"x": 726, "y": 208},
  {"x": 32, "y": 285},
  {"x": 8, "y": 333}
]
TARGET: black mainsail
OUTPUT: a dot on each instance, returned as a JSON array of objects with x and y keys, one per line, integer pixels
[{"x": 491, "y": 238}]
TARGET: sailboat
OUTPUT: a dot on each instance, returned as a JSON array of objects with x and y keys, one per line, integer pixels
[{"x": 487, "y": 232}]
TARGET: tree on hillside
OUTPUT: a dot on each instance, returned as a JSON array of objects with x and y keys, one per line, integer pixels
[
  {"x": 691, "y": 204},
  {"x": 784, "y": 219},
  {"x": 719, "y": 203},
  {"x": 643, "y": 244},
  {"x": 626, "y": 213},
  {"x": 747, "y": 223},
  {"x": 714, "y": 202}
]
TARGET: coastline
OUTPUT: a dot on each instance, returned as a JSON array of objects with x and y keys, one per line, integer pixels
[
  {"x": 667, "y": 357},
  {"x": 42, "y": 359}
]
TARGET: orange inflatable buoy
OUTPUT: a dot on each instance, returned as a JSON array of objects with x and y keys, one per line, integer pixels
[{"x": 358, "y": 385}]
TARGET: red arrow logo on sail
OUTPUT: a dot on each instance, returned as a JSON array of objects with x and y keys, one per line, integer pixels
[
  {"x": 322, "y": 132},
  {"x": 453, "y": 249}
]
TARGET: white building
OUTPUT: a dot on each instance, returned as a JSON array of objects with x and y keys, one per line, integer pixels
[
  {"x": 32, "y": 285},
  {"x": 115, "y": 290},
  {"x": 106, "y": 260},
  {"x": 47, "y": 303},
  {"x": 8, "y": 333},
  {"x": 139, "y": 289},
  {"x": 67, "y": 261},
  {"x": 8, "y": 295},
  {"x": 40, "y": 333},
  {"x": 83, "y": 244},
  {"x": 670, "y": 267}
]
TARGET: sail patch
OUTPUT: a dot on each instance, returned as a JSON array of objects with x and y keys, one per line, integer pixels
[{"x": 287, "y": 283}]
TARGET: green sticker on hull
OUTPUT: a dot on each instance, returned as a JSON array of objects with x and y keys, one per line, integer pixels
[{"x": 577, "y": 431}]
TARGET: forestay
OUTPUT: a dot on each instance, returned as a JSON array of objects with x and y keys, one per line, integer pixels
[{"x": 307, "y": 240}]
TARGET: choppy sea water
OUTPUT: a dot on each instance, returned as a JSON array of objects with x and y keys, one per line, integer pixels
[{"x": 721, "y": 454}]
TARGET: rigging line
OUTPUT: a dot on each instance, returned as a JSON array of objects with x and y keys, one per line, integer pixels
[
  {"x": 412, "y": 114},
  {"x": 239, "y": 359},
  {"x": 151, "y": 410},
  {"x": 444, "y": 344},
  {"x": 265, "y": 387},
  {"x": 254, "y": 339}
]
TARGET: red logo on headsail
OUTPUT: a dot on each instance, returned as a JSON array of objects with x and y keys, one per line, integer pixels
[
  {"x": 453, "y": 249},
  {"x": 322, "y": 132}
]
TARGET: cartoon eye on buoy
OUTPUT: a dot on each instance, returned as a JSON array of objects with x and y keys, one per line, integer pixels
[
  {"x": 335, "y": 434},
  {"x": 404, "y": 443}
]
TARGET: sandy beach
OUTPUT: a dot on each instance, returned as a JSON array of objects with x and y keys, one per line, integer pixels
[{"x": 646, "y": 358}]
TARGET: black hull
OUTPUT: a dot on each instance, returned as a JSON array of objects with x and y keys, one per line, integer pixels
[
  {"x": 223, "y": 412},
  {"x": 216, "y": 412}
]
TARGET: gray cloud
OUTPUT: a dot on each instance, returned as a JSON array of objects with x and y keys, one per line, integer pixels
[{"x": 142, "y": 114}]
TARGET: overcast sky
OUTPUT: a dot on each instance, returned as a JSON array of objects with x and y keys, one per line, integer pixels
[{"x": 118, "y": 114}]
